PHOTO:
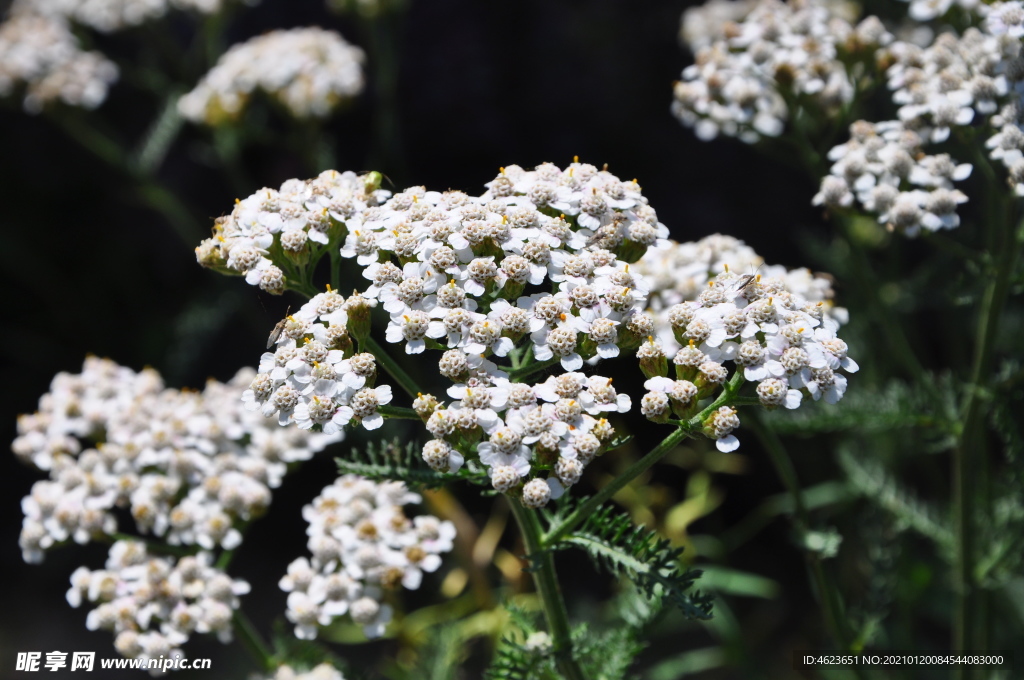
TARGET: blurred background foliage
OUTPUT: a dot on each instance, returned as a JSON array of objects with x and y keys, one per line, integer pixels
[{"x": 96, "y": 260}]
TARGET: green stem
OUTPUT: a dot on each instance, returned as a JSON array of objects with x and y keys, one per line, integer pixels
[
  {"x": 252, "y": 641},
  {"x": 827, "y": 592},
  {"x": 587, "y": 507},
  {"x": 970, "y": 454},
  {"x": 546, "y": 581},
  {"x": 527, "y": 370},
  {"x": 392, "y": 367},
  {"x": 397, "y": 412}
]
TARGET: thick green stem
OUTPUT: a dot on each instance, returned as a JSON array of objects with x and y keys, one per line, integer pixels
[
  {"x": 252, "y": 641},
  {"x": 827, "y": 593},
  {"x": 546, "y": 581},
  {"x": 392, "y": 367},
  {"x": 526, "y": 370}
]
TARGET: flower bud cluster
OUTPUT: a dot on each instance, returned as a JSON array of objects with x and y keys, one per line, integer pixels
[
  {"x": 188, "y": 466},
  {"x": 269, "y": 235},
  {"x": 884, "y": 169},
  {"x": 313, "y": 378},
  {"x": 679, "y": 272},
  {"x": 154, "y": 604},
  {"x": 779, "y": 340},
  {"x": 42, "y": 52},
  {"x": 310, "y": 71},
  {"x": 744, "y": 81},
  {"x": 362, "y": 545},
  {"x": 520, "y": 432}
]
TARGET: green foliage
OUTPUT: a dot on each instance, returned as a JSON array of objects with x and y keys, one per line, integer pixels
[
  {"x": 872, "y": 480},
  {"x": 383, "y": 461},
  {"x": 615, "y": 544},
  {"x": 602, "y": 655},
  {"x": 867, "y": 410},
  {"x": 300, "y": 654}
]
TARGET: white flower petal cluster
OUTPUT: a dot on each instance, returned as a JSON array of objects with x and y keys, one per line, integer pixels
[
  {"x": 42, "y": 52},
  {"x": 884, "y": 169},
  {"x": 535, "y": 439},
  {"x": 362, "y": 544},
  {"x": 927, "y": 10},
  {"x": 782, "y": 342},
  {"x": 741, "y": 81},
  {"x": 310, "y": 71},
  {"x": 312, "y": 378},
  {"x": 324, "y": 671},
  {"x": 291, "y": 220},
  {"x": 153, "y": 605},
  {"x": 186, "y": 465},
  {"x": 951, "y": 81},
  {"x": 679, "y": 272},
  {"x": 108, "y": 16},
  {"x": 542, "y": 254}
]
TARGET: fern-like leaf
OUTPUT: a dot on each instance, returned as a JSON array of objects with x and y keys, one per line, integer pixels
[
  {"x": 650, "y": 561},
  {"x": 871, "y": 479},
  {"x": 391, "y": 461}
]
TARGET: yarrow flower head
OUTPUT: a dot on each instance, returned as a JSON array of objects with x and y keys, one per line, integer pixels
[
  {"x": 765, "y": 54},
  {"x": 291, "y": 221},
  {"x": 362, "y": 544},
  {"x": 310, "y": 71},
  {"x": 41, "y": 52},
  {"x": 776, "y": 331},
  {"x": 313, "y": 378},
  {"x": 153, "y": 605},
  {"x": 188, "y": 466}
]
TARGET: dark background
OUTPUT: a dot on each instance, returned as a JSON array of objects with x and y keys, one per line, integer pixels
[{"x": 88, "y": 268}]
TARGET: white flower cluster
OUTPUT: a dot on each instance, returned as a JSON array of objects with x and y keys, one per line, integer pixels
[
  {"x": 41, "y": 52},
  {"x": 518, "y": 430},
  {"x": 114, "y": 15},
  {"x": 927, "y": 10},
  {"x": 362, "y": 544},
  {"x": 788, "y": 346},
  {"x": 744, "y": 82},
  {"x": 953, "y": 80},
  {"x": 310, "y": 71},
  {"x": 288, "y": 222},
  {"x": 324, "y": 671},
  {"x": 187, "y": 465},
  {"x": 459, "y": 273},
  {"x": 884, "y": 168},
  {"x": 679, "y": 272},
  {"x": 154, "y": 604},
  {"x": 312, "y": 378}
]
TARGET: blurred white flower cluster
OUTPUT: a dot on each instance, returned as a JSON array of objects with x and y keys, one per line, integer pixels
[
  {"x": 154, "y": 604},
  {"x": 777, "y": 327},
  {"x": 189, "y": 466},
  {"x": 756, "y": 61},
  {"x": 324, "y": 671},
  {"x": 362, "y": 544},
  {"x": 312, "y": 378},
  {"x": 114, "y": 15},
  {"x": 885, "y": 169},
  {"x": 290, "y": 222},
  {"x": 310, "y": 71},
  {"x": 41, "y": 52}
]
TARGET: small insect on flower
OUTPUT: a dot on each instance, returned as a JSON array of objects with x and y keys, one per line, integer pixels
[
  {"x": 278, "y": 329},
  {"x": 747, "y": 279}
]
